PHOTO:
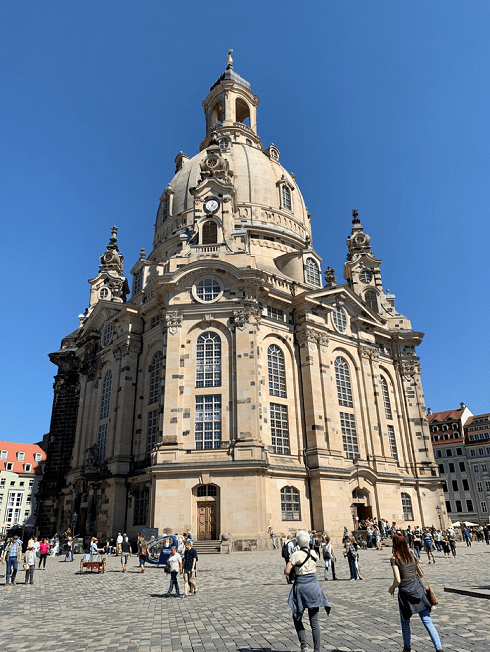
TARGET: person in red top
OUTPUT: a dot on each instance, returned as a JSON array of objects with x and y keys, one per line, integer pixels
[{"x": 43, "y": 551}]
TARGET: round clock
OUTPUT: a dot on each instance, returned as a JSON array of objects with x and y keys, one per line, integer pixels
[{"x": 211, "y": 205}]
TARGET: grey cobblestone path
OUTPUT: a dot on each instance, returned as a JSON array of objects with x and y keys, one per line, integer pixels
[{"x": 240, "y": 606}]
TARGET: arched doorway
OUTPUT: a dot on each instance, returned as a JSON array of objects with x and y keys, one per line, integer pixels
[
  {"x": 207, "y": 511},
  {"x": 360, "y": 500}
]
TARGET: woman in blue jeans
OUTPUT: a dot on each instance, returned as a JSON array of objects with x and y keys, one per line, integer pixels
[{"x": 411, "y": 594}]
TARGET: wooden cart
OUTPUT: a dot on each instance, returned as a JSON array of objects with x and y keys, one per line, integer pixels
[{"x": 99, "y": 566}]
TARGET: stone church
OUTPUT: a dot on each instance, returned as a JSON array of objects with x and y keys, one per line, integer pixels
[{"x": 231, "y": 389}]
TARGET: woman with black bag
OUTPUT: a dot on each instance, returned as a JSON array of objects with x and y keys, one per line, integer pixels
[
  {"x": 306, "y": 592},
  {"x": 412, "y": 596}
]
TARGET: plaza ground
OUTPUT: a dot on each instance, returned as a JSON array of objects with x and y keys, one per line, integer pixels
[{"x": 241, "y": 606}]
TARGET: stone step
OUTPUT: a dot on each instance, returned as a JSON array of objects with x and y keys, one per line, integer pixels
[{"x": 212, "y": 547}]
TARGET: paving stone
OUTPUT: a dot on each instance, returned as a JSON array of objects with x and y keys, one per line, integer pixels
[{"x": 115, "y": 612}]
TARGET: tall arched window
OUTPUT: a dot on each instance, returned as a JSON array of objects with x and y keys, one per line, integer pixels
[
  {"x": 290, "y": 505},
  {"x": 371, "y": 299},
  {"x": 277, "y": 373},
  {"x": 342, "y": 378},
  {"x": 386, "y": 398},
  {"x": 407, "y": 507},
  {"x": 312, "y": 273},
  {"x": 208, "y": 360},
  {"x": 155, "y": 377},
  {"x": 106, "y": 395},
  {"x": 209, "y": 234}
]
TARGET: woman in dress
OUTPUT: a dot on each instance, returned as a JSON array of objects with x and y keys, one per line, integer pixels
[
  {"x": 306, "y": 592},
  {"x": 412, "y": 598}
]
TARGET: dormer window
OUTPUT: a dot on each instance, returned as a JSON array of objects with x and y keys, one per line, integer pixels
[
  {"x": 38, "y": 457},
  {"x": 434, "y": 428},
  {"x": 27, "y": 468},
  {"x": 21, "y": 456},
  {"x": 9, "y": 466},
  {"x": 312, "y": 273},
  {"x": 286, "y": 197},
  {"x": 454, "y": 426},
  {"x": 3, "y": 455},
  {"x": 371, "y": 299},
  {"x": 209, "y": 233}
]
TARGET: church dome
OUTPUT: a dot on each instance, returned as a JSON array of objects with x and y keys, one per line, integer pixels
[{"x": 257, "y": 178}]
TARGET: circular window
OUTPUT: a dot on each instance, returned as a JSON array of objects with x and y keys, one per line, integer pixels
[
  {"x": 208, "y": 289},
  {"x": 366, "y": 276},
  {"x": 104, "y": 293},
  {"x": 339, "y": 319},
  {"x": 212, "y": 162}
]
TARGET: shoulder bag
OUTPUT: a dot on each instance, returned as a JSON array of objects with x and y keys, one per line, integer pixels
[
  {"x": 293, "y": 573},
  {"x": 429, "y": 592}
]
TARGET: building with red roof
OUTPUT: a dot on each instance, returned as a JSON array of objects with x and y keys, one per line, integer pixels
[{"x": 21, "y": 467}]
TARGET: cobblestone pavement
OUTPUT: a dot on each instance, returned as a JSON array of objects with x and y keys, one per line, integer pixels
[{"x": 240, "y": 606}]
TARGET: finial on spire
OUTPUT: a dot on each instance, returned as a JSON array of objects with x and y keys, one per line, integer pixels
[
  {"x": 355, "y": 214},
  {"x": 230, "y": 59}
]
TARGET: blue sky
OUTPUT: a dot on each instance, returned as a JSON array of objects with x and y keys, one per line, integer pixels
[{"x": 379, "y": 105}]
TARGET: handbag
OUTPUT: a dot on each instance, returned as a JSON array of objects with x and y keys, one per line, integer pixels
[
  {"x": 429, "y": 592},
  {"x": 25, "y": 567},
  {"x": 293, "y": 573},
  {"x": 167, "y": 568}
]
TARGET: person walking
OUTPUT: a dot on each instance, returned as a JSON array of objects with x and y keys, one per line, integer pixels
[
  {"x": 30, "y": 562},
  {"x": 329, "y": 557},
  {"x": 467, "y": 537},
  {"x": 119, "y": 541},
  {"x": 306, "y": 592},
  {"x": 125, "y": 552},
  {"x": 445, "y": 545},
  {"x": 43, "y": 553},
  {"x": 351, "y": 553},
  {"x": 486, "y": 534},
  {"x": 452, "y": 542},
  {"x": 189, "y": 566},
  {"x": 142, "y": 553},
  {"x": 428, "y": 545},
  {"x": 12, "y": 555},
  {"x": 175, "y": 563},
  {"x": 412, "y": 598},
  {"x": 417, "y": 543},
  {"x": 69, "y": 549}
]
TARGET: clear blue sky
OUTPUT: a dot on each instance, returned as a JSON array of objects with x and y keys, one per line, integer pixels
[{"x": 381, "y": 105}]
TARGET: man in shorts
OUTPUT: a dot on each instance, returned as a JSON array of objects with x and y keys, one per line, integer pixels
[{"x": 125, "y": 552}]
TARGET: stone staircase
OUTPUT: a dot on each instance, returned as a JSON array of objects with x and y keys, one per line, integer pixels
[{"x": 208, "y": 547}]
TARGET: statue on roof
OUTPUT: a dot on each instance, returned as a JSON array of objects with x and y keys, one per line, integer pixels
[{"x": 230, "y": 60}]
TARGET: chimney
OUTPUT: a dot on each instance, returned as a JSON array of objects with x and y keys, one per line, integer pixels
[{"x": 462, "y": 406}]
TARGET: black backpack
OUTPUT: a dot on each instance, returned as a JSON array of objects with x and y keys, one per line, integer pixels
[{"x": 285, "y": 551}]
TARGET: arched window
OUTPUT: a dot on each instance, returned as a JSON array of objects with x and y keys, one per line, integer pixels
[
  {"x": 393, "y": 448},
  {"x": 242, "y": 111},
  {"x": 312, "y": 273},
  {"x": 339, "y": 319},
  {"x": 208, "y": 360},
  {"x": 277, "y": 373},
  {"x": 107, "y": 336},
  {"x": 141, "y": 498},
  {"x": 155, "y": 377},
  {"x": 286, "y": 196},
  {"x": 386, "y": 398},
  {"x": 209, "y": 233},
  {"x": 342, "y": 378},
  {"x": 407, "y": 507},
  {"x": 290, "y": 506},
  {"x": 206, "y": 490},
  {"x": 106, "y": 395},
  {"x": 371, "y": 299}
]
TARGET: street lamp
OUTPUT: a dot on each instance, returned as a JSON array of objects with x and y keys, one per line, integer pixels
[
  {"x": 353, "y": 513},
  {"x": 438, "y": 510}
]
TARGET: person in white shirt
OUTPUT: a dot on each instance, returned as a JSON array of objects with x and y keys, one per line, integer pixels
[
  {"x": 119, "y": 540},
  {"x": 175, "y": 564}
]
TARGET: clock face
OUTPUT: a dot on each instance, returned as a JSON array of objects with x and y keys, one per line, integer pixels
[
  {"x": 359, "y": 239},
  {"x": 211, "y": 205}
]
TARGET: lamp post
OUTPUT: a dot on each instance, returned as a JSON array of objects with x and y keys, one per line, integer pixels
[
  {"x": 438, "y": 510},
  {"x": 353, "y": 513}
]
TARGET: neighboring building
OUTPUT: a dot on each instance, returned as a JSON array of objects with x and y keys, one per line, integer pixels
[
  {"x": 20, "y": 473},
  {"x": 477, "y": 442},
  {"x": 234, "y": 391}
]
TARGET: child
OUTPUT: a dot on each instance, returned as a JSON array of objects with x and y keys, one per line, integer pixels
[{"x": 30, "y": 561}]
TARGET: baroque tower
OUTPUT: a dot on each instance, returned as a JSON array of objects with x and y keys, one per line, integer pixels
[{"x": 235, "y": 390}]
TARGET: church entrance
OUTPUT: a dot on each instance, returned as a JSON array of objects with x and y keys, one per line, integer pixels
[
  {"x": 207, "y": 504},
  {"x": 206, "y": 521}
]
